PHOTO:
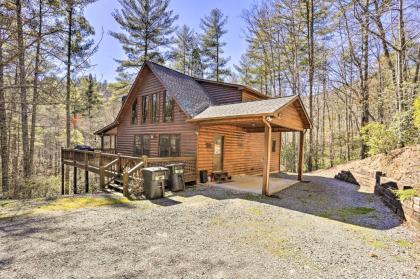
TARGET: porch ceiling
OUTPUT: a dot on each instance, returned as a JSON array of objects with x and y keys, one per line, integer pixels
[{"x": 252, "y": 125}]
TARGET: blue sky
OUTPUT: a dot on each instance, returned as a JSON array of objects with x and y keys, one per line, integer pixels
[{"x": 189, "y": 11}]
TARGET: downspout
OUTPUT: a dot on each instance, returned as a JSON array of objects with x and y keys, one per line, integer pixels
[{"x": 267, "y": 155}]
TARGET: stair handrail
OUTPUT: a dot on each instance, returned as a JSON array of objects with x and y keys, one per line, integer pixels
[
  {"x": 111, "y": 163},
  {"x": 136, "y": 167}
]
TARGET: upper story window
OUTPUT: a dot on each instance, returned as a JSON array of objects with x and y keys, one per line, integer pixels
[
  {"x": 155, "y": 108},
  {"x": 273, "y": 146},
  {"x": 134, "y": 112},
  {"x": 145, "y": 108},
  {"x": 169, "y": 109}
]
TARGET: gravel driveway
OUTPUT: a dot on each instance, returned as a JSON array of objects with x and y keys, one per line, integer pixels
[{"x": 322, "y": 229}]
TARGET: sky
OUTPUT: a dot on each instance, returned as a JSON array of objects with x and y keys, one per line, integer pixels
[{"x": 189, "y": 11}]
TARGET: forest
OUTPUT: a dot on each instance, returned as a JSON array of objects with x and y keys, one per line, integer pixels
[{"x": 355, "y": 63}]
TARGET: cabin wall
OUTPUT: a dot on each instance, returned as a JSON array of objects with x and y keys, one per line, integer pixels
[
  {"x": 249, "y": 96},
  {"x": 222, "y": 94},
  {"x": 243, "y": 152},
  {"x": 149, "y": 84}
]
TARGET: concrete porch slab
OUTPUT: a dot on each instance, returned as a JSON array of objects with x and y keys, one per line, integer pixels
[{"x": 253, "y": 183}]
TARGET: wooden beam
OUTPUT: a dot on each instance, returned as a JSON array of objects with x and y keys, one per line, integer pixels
[
  {"x": 267, "y": 157},
  {"x": 62, "y": 178},
  {"x": 75, "y": 180},
  {"x": 280, "y": 152},
  {"x": 301, "y": 151}
]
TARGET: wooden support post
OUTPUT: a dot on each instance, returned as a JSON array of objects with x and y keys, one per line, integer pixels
[
  {"x": 101, "y": 172},
  {"x": 267, "y": 158},
  {"x": 75, "y": 180},
  {"x": 144, "y": 161},
  {"x": 102, "y": 142},
  {"x": 86, "y": 174},
  {"x": 125, "y": 184},
  {"x": 280, "y": 152},
  {"x": 62, "y": 178},
  {"x": 301, "y": 151}
]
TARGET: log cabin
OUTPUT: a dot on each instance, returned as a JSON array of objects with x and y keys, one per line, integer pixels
[{"x": 228, "y": 128}]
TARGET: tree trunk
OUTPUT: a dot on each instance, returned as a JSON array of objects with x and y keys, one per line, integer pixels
[
  {"x": 35, "y": 91},
  {"x": 3, "y": 131},
  {"x": 23, "y": 93}
]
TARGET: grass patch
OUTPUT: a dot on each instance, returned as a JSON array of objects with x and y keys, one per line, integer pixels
[
  {"x": 354, "y": 211},
  {"x": 38, "y": 206},
  {"x": 407, "y": 194},
  {"x": 404, "y": 243},
  {"x": 74, "y": 203},
  {"x": 256, "y": 211}
]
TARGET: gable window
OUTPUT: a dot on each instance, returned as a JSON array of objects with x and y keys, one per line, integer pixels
[
  {"x": 145, "y": 108},
  {"x": 134, "y": 112},
  {"x": 142, "y": 145},
  {"x": 155, "y": 108},
  {"x": 273, "y": 146},
  {"x": 169, "y": 109},
  {"x": 169, "y": 146}
]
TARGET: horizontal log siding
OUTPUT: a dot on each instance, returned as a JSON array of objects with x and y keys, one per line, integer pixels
[
  {"x": 243, "y": 152},
  {"x": 222, "y": 94},
  {"x": 248, "y": 96},
  {"x": 290, "y": 117},
  {"x": 149, "y": 84}
]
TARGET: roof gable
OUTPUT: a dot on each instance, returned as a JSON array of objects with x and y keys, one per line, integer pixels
[{"x": 189, "y": 95}]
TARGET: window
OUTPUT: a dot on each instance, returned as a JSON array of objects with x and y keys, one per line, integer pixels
[
  {"x": 169, "y": 146},
  {"x": 142, "y": 145},
  {"x": 145, "y": 108},
  {"x": 273, "y": 146},
  {"x": 155, "y": 108},
  {"x": 169, "y": 109},
  {"x": 134, "y": 112}
]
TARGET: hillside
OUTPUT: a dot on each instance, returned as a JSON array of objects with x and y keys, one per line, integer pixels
[{"x": 402, "y": 165}]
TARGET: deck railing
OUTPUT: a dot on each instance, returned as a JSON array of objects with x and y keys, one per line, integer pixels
[{"x": 110, "y": 166}]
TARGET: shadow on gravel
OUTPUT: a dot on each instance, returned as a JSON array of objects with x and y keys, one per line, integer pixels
[{"x": 320, "y": 196}]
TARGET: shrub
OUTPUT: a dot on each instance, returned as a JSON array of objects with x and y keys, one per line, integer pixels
[
  {"x": 403, "y": 126},
  {"x": 378, "y": 138},
  {"x": 403, "y": 195},
  {"x": 416, "y": 112}
]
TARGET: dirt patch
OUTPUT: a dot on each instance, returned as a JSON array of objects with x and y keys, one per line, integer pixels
[{"x": 402, "y": 165}]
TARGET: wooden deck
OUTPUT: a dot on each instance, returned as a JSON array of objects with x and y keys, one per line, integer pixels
[{"x": 111, "y": 166}]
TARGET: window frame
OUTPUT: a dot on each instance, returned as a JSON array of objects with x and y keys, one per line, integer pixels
[
  {"x": 142, "y": 145},
  {"x": 273, "y": 145},
  {"x": 154, "y": 108},
  {"x": 170, "y": 146},
  {"x": 145, "y": 108},
  {"x": 166, "y": 99},
  {"x": 134, "y": 112}
]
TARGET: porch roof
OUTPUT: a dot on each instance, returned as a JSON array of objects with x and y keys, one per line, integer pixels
[
  {"x": 255, "y": 108},
  {"x": 286, "y": 114}
]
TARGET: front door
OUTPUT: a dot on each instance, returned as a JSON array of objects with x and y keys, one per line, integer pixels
[{"x": 218, "y": 153}]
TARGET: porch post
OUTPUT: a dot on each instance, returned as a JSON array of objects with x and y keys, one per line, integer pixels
[
  {"x": 102, "y": 142},
  {"x": 300, "y": 166},
  {"x": 267, "y": 157}
]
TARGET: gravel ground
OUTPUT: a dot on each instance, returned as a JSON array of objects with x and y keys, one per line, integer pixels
[{"x": 321, "y": 229}]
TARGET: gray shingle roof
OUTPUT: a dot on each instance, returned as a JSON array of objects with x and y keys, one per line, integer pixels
[
  {"x": 189, "y": 94},
  {"x": 243, "y": 109}
]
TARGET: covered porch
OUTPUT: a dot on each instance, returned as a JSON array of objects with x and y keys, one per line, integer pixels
[
  {"x": 245, "y": 139},
  {"x": 252, "y": 183},
  {"x": 108, "y": 138}
]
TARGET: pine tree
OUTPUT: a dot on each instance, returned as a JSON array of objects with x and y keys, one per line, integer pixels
[
  {"x": 147, "y": 25},
  {"x": 212, "y": 44},
  {"x": 182, "y": 53}
]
